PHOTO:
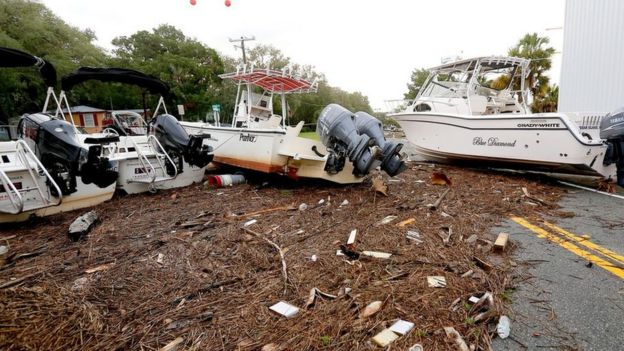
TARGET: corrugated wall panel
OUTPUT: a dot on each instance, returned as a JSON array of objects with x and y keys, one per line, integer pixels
[{"x": 592, "y": 70}]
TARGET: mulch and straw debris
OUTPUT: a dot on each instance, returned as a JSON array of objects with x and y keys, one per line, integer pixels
[{"x": 198, "y": 268}]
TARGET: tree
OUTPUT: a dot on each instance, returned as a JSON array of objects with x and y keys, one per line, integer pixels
[
  {"x": 548, "y": 100},
  {"x": 536, "y": 49},
  {"x": 418, "y": 78},
  {"x": 31, "y": 27},
  {"x": 190, "y": 67}
]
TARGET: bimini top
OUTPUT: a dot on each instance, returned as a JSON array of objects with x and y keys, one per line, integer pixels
[
  {"x": 273, "y": 81},
  {"x": 487, "y": 63},
  {"x": 16, "y": 58},
  {"x": 119, "y": 75}
]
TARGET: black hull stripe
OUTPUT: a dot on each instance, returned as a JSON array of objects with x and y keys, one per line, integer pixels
[{"x": 472, "y": 128}]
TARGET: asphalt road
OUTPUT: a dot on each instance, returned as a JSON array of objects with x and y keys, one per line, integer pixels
[{"x": 565, "y": 303}]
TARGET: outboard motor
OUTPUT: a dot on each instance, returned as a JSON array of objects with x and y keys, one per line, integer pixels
[
  {"x": 612, "y": 130},
  {"x": 336, "y": 127},
  {"x": 58, "y": 149},
  {"x": 179, "y": 144},
  {"x": 392, "y": 162}
]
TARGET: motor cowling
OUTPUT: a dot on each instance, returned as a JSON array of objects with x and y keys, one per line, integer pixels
[
  {"x": 57, "y": 147},
  {"x": 612, "y": 130},
  {"x": 392, "y": 161},
  {"x": 336, "y": 128},
  {"x": 179, "y": 144}
]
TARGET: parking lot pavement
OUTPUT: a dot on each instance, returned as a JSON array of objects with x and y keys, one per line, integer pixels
[{"x": 571, "y": 292}]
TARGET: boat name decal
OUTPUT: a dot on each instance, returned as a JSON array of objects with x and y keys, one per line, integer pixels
[
  {"x": 492, "y": 141},
  {"x": 249, "y": 138},
  {"x": 538, "y": 125}
]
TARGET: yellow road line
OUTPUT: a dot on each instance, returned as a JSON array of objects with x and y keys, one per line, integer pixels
[
  {"x": 541, "y": 233},
  {"x": 585, "y": 242}
]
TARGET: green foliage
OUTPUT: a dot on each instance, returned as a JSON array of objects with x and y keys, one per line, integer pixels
[
  {"x": 190, "y": 67},
  {"x": 535, "y": 48},
  {"x": 31, "y": 27},
  {"x": 416, "y": 81},
  {"x": 187, "y": 65},
  {"x": 469, "y": 321},
  {"x": 326, "y": 340}
]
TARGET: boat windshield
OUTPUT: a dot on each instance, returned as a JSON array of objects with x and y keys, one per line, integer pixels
[
  {"x": 130, "y": 120},
  {"x": 447, "y": 84}
]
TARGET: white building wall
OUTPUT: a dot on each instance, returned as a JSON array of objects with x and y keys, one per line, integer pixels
[{"x": 592, "y": 72}]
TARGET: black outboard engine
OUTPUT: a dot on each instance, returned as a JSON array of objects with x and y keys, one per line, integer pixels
[
  {"x": 336, "y": 127},
  {"x": 179, "y": 144},
  {"x": 392, "y": 162},
  {"x": 612, "y": 130},
  {"x": 58, "y": 149}
]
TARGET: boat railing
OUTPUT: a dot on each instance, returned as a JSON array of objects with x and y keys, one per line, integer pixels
[
  {"x": 148, "y": 166},
  {"x": 13, "y": 194},
  {"x": 26, "y": 156}
]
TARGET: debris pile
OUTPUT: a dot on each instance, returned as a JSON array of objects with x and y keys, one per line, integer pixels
[{"x": 246, "y": 268}]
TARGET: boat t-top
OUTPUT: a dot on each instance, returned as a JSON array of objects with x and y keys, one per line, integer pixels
[
  {"x": 475, "y": 111},
  {"x": 261, "y": 140},
  {"x": 47, "y": 170},
  {"x": 166, "y": 158}
]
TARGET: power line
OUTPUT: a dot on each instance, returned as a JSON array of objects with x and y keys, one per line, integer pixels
[{"x": 242, "y": 41}]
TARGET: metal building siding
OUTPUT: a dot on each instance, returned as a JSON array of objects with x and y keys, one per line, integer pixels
[{"x": 592, "y": 70}]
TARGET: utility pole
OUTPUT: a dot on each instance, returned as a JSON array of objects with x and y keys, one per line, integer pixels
[{"x": 242, "y": 41}]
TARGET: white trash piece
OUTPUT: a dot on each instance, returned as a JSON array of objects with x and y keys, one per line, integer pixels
[
  {"x": 303, "y": 207},
  {"x": 248, "y": 223},
  {"x": 402, "y": 327},
  {"x": 504, "y": 327},
  {"x": 285, "y": 309}
]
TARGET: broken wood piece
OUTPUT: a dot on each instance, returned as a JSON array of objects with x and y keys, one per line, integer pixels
[
  {"x": 371, "y": 309},
  {"x": 351, "y": 239},
  {"x": 525, "y": 191},
  {"x": 436, "y": 204},
  {"x": 469, "y": 273},
  {"x": 351, "y": 254},
  {"x": 402, "y": 327},
  {"x": 386, "y": 220},
  {"x": 406, "y": 222},
  {"x": 436, "y": 281},
  {"x": 445, "y": 234},
  {"x": 285, "y": 309},
  {"x": 281, "y": 208},
  {"x": 174, "y": 344},
  {"x": 377, "y": 254},
  {"x": 385, "y": 337},
  {"x": 453, "y": 334},
  {"x": 281, "y": 254},
  {"x": 482, "y": 264},
  {"x": 82, "y": 225},
  {"x": 312, "y": 296},
  {"x": 100, "y": 268},
  {"x": 501, "y": 242},
  {"x": 160, "y": 258}
]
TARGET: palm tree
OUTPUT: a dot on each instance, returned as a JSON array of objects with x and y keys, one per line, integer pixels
[{"x": 535, "y": 48}]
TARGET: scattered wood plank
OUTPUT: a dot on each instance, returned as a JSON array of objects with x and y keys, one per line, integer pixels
[
  {"x": 174, "y": 344},
  {"x": 436, "y": 204},
  {"x": 281, "y": 253},
  {"x": 99, "y": 268},
  {"x": 501, "y": 242},
  {"x": 406, "y": 222}
]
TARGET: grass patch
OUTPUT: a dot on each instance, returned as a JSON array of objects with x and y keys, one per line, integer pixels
[{"x": 309, "y": 135}]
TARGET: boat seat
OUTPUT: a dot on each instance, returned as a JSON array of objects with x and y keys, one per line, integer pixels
[{"x": 478, "y": 104}]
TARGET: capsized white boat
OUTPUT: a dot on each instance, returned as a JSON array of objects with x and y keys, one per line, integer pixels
[
  {"x": 167, "y": 158},
  {"x": 46, "y": 170},
  {"x": 475, "y": 111},
  {"x": 258, "y": 139}
]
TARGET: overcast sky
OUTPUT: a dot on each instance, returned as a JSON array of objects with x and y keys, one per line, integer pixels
[{"x": 360, "y": 45}]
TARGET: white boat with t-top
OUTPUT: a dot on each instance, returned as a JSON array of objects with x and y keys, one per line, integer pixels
[
  {"x": 260, "y": 140},
  {"x": 475, "y": 111},
  {"x": 166, "y": 158},
  {"x": 47, "y": 170}
]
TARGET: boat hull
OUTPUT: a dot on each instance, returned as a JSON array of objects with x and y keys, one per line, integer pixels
[
  {"x": 543, "y": 142},
  {"x": 87, "y": 195},
  {"x": 271, "y": 151}
]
